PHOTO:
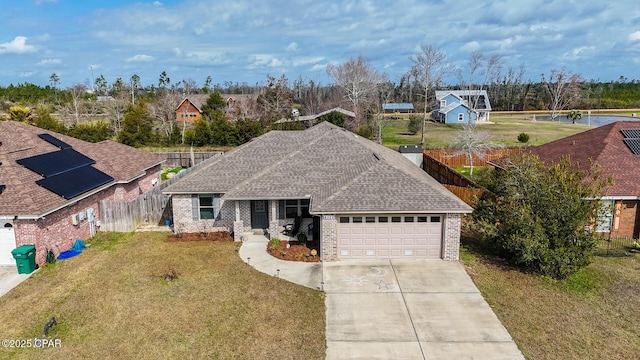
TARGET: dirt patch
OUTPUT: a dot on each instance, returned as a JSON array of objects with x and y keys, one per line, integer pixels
[
  {"x": 200, "y": 236},
  {"x": 291, "y": 251}
]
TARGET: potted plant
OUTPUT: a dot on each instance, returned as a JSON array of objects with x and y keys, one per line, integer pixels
[{"x": 302, "y": 239}]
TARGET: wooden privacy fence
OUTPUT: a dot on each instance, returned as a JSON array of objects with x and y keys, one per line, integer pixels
[
  {"x": 183, "y": 159},
  {"x": 446, "y": 156},
  {"x": 458, "y": 184},
  {"x": 151, "y": 207}
]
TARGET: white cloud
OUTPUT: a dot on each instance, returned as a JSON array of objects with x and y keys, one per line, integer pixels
[
  {"x": 635, "y": 36},
  {"x": 293, "y": 47},
  {"x": 28, "y": 73},
  {"x": 141, "y": 58},
  {"x": 307, "y": 60},
  {"x": 48, "y": 62},
  {"x": 17, "y": 46},
  {"x": 94, "y": 66},
  {"x": 266, "y": 60},
  {"x": 471, "y": 46},
  {"x": 157, "y": 3}
]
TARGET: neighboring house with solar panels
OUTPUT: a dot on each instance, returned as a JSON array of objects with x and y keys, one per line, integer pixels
[
  {"x": 616, "y": 149},
  {"x": 51, "y": 185}
]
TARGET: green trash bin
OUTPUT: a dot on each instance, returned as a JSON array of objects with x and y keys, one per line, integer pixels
[{"x": 25, "y": 256}]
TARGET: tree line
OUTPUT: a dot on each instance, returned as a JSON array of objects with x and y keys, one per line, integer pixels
[{"x": 99, "y": 109}]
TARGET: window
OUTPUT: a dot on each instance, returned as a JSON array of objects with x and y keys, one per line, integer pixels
[
  {"x": 209, "y": 206},
  {"x": 357, "y": 219},
  {"x": 370, "y": 219},
  {"x": 297, "y": 206},
  {"x": 408, "y": 219},
  {"x": 461, "y": 117},
  {"x": 383, "y": 219},
  {"x": 422, "y": 219},
  {"x": 344, "y": 219},
  {"x": 396, "y": 219},
  {"x": 605, "y": 216},
  {"x": 435, "y": 219},
  {"x": 443, "y": 103}
]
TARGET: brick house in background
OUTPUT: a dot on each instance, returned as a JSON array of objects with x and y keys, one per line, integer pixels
[
  {"x": 52, "y": 184},
  {"x": 616, "y": 149},
  {"x": 190, "y": 109}
]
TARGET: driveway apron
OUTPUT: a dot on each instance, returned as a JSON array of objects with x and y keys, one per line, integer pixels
[{"x": 410, "y": 309}]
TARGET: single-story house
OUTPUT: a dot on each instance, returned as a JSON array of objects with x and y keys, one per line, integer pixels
[
  {"x": 295, "y": 115},
  {"x": 360, "y": 199},
  {"x": 396, "y": 108},
  {"x": 51, "y": 185},
  {"x": 616, "y": 149},
  {"x": 461, "y": 106}
]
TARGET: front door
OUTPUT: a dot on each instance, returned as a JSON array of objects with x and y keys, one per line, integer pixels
[{"x": 259, "y": 214}]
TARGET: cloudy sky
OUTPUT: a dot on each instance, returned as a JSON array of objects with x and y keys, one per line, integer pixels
[{"x": 245, "y": 40}]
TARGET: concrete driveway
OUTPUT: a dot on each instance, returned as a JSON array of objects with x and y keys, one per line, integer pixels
[
  {"x": 417, "y": 309},
  {"x": 9, "y": 278}
]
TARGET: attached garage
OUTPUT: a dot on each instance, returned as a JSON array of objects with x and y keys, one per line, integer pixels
[
  {"x": 7, "y": 243},
  {"x": 365, "y": 236}
]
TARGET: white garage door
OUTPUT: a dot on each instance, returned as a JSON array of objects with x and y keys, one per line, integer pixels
[
  {"x": 7, "y": 243},
  {"x": 390, "y": 236}
]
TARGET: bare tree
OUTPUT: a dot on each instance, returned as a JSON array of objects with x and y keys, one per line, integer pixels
[
  {"x": 471, "y": 143},
  {"x": 276, "y": 99},
  {"x": 358, "y": 80},
  {"x": 77, "y": 92},
  {"x": 385, "y": 92},
  {"x": 563, "y": 89},
  {"x": 429, "y": 68},
  {"x": 481, "y": 72}
]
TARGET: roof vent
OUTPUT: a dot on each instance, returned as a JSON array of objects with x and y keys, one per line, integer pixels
[
  {"x": 2, "y": 187},
  {"x": 377, "y": 156}
]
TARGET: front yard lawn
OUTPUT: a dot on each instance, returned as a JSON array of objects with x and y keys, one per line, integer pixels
[
  {"x": 113, "y": 302},
  {"x": 593, "y": 315}
]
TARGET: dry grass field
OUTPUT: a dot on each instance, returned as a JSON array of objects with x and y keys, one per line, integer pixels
[
  {"x": 113, "y": 302},
  {"x": 593, "y": 315}
]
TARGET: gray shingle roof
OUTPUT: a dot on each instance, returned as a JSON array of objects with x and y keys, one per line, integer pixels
[{"x": 342, "y": 172}]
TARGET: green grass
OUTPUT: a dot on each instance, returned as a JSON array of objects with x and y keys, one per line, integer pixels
[
  {"x": 165, "y": 172},
  {"x": 504, "y": 131},
  {"x": 111, "y": 302},
  {"x": 591, "y": 315}
]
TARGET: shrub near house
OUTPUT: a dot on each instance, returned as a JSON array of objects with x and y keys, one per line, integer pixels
[{"x": 535, "y": 216}]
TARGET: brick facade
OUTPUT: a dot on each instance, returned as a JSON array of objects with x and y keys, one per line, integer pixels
[
  {"x": 329, "y": 237},
  {"x": 451, "y": 237},
  {"x": 626, "y": 221},
  {"x": 56, "y": 231}
]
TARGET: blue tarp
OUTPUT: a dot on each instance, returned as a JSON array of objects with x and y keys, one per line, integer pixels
[
  {"x": 67, "y": 254},
  {"x": 77, "y": 248}
]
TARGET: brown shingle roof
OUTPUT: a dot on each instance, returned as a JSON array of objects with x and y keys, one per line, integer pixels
[
  {"x": 341, "y": 171},
  {"x": 24, "y": 197},
  {"x": 603, "y": 145}
]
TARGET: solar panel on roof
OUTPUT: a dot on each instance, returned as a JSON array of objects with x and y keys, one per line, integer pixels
[
  {"x": 75, "y": 182},
  {"x": 54, "y": 141},
  {"x": 634, "y": 145},
  {"x": 56, "y": 162}
]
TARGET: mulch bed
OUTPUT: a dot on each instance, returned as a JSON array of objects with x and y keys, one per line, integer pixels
[
  {"x": 294, "y": 252},
  {"x": 211, "y": 236}
]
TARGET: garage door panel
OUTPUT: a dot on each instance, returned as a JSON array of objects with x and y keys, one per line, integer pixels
[
  {"x": 7, "y": 243},
  {"x": 368, "y": 240}
]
